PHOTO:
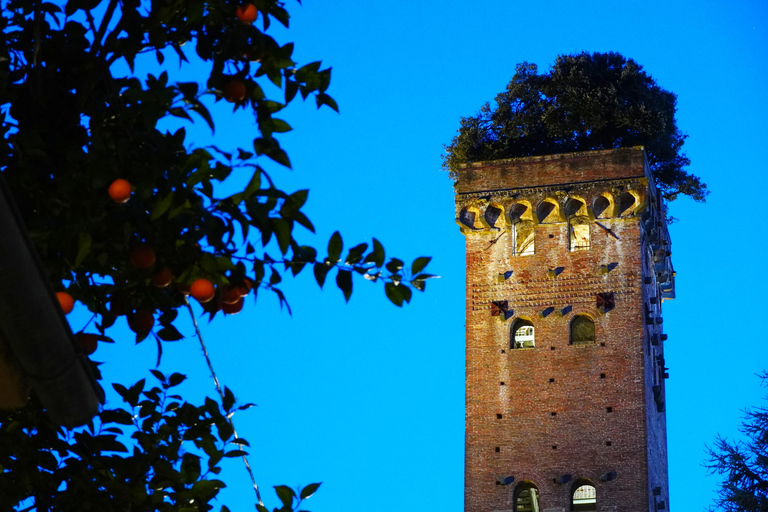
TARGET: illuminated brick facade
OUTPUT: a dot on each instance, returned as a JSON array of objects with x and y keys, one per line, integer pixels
[{"x": 567, "y": 266}]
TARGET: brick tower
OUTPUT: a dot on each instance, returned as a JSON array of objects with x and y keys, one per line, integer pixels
[{"x": 567, "y": 266}]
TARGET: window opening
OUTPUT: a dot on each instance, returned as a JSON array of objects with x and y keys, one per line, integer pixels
[
  {"x": 547, "y": 212},
  {"x": 579, "y": 233},
  {"x": 584, "y": 498},
  {"x": 523, "y": 238},
  {"x": 526, "y": 498},
  {"x": 524, "y": 336},
  {"x": 582, "y": 330},
  {"x": 626, "y": 203},
  {"x": 492, "y": 215},
  {"x": 602, "y": 207}
]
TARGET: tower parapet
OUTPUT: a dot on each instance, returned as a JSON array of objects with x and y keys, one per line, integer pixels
[{"x": 568, "y": 262}]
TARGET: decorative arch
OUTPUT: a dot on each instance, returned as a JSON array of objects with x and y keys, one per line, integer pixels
[
  {"x": 583, "y": 496},
  {"x": 627, "y": 202},
  {"x": 494, "y": 215},
  {"x": 582, "y": 330},
  {"x": 575, "y": 206},
  {"x": 526, "y": 497},
  {"x": 521, "y": 210},
  {"x": 469, "y": 217},
  {"x": 523, "y": 334},
  {"x": 548, "y": 212},
  {"x": 603, "y": 206}
]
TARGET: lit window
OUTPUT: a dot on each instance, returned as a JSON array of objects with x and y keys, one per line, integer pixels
[
  {"x": 578, "y": 233},
  {"x": 523, "y": 335},
  {"x": 526, "y": 498},
  {"x": 584, "y": 498},
  {"x": 523, "y": 238}
]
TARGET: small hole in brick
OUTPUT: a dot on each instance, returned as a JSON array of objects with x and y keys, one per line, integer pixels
[
  {"x": 554, "y": 447},
  {"x": 602, "y": 344},
  {"x": 554, "y": 414},
  {"x": 498, "y": 449},
  {"x": 602, "y": 375},
  {"x": 551, "y": 348},
  {"x": 501, "y": 383},
  {"x": 608, "y": 409},
  {"x": 551, "y": 236},
  {"x": 498, "y": 483},
  {"x": 503, "y": 351},
  {"x": 551, "y": 380},
  {"x": 607, "y": 443},
  {"x": 498, "y": 416}
]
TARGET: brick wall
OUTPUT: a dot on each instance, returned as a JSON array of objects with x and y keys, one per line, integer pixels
[{"x": 583, "y": 410}]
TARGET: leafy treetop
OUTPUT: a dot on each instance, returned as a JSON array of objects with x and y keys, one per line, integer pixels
[{"x": 585, "y": 102}]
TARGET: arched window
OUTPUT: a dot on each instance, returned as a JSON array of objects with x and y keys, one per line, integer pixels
[
  {"x": 547, "y": 211},
  {"x": 493, "y": 214},
  {"x": 523, "y": 335},
  {"x": 626, "y": 203},
  {"x": 578, "y": 233},
  {"x": 582, "y": 330},
  {"x": 468, "y": 218},
  {"x": 602, "y": 207},
  {"x": 526, "y": 497},
  {"x": 523, "y": 238},
  {"x": 584, "y": 497}
]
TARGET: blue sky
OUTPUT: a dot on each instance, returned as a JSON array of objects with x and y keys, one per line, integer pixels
[{"x": 368, "y": 398}]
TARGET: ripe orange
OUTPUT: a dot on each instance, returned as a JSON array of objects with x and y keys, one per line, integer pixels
[
  {"x": 88, "y": 342},
  {"x": 247, "y": 13},
  {"x": 203, "y": 290},
  {"x": 232, "y": 294},
  {"x": 142, "y": 257},
  {"x": 141, "y": 322},
  {"x": 234, "y": 308},
  {"x": 120, "y": 190},
  {"x": 66, "y": 302},
  {"x": 234, "y": 90},
  {"x": 162, "y": 278}
]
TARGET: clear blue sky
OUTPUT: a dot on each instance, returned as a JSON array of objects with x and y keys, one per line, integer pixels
[{"x": 369, "y": 398}]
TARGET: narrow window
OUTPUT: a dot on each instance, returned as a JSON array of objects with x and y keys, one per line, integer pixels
[
  {"x": 526, "y": 498},
  {"x": 492, "y": 215},
  {"x": 578, "y": 231},
  {"x": 523, "y": 335},
  {"x": 584, "y": 497},
  {"x": 522, "y": 235},
  {"x": 582, "y": 330}
]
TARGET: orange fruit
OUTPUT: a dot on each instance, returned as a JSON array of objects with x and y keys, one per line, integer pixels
[
  {"x": 88, "y": 342},
  {"x": 234, "y": 308},
  {"x": 234, "y": 90},
  {"x": 120, "y": 190},
  {"x": 141, "y": 322},
  {"x": 246, "y": 13},
  {"x": 142, "y": 257},
  {"x": 66, "y": 302},
  {"x": 162, "y": 278},
  {"x": 203, "y": 290},
  {"x": 232, "y": 294}
]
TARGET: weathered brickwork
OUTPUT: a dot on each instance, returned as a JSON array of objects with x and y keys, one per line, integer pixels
[{"x": 549, "y": 240}]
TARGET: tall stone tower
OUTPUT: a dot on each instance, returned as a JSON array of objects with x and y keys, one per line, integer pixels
[{"x": 567, "y": 266}]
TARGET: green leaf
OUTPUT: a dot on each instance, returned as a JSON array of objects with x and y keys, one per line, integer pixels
[
  {"x": 309, "y": 490},
  {"x": 355, "y": 254},
  {"x": 169, "y": 333},
  {"x": 162, "y": 206},
  {"x": 229, "y": 399},
  {"x": 335, "y": 246},
  {"x": 344, "y": 282},
  {"x": 394, "y": 265},
  {"x": 321, "y": 270},
  {"x": 176, "y": 378},
  {"x": 397, "y": 294},
  {"x": 84, "y": 243},
  {"x": 419, "y": 264},
  {"x": 377, "y": 255},
  {"x": 286, "y": 494}
]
